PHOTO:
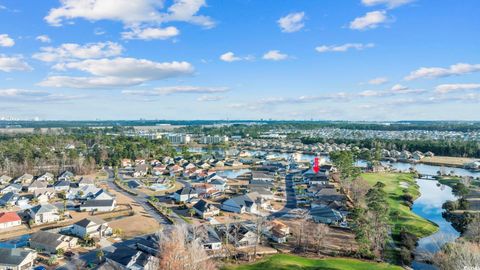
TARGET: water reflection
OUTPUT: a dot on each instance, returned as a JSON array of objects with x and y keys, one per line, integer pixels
[{"x": 429, "y": 206}]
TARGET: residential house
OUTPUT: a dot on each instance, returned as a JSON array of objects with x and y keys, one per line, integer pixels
[
  {"x": 240, "y": 204},
  {"x": 219, "y": 184},
  {"x": 37, "y": 184},
  {"x": 241, "y": 236},
  {"x": 24, "y": 180},
  {"x": 326, "y": 215},
  {"x": 185, "y": 194},
  {"x": 15, "y": 188},
  {"x": 126, "y": 163},
  {"x": 9, "y": 219},
  {"x": 66, "y": 176},
  {"x": 260, "y": 175},
  {"x": 205, "y": 209},
  {"x": 141, "y": 170},
  {"x": 278, "y": 231},
  {"x": 92, "y": 227},
  {"x": 47, "y": 177},
  {"x": 130, "y": 258},
  {"x": 210, "y": 240},
  {"x": 98, "y": 205},
  {"x": 8, "y": 199},
  {"x": 43, "y": 213},
  {"x": 52, "y": 242},
  {"x": 17, "y": 258},
  {"x": 102, "y": 195},
  {"x": 5, "y": 180},
  {"x": 86, "y": 181},
  {"x": 44, "y": 195},
  {"x": 62, "y": 185}
]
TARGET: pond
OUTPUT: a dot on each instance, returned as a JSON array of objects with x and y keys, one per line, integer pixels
[
  {"x": 158, "y": 187},
  {"x": 429, "y": 206},
  {"x": 231, "y": 174}
]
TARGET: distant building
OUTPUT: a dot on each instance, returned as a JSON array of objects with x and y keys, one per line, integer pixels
[{"x": 178, "y": 138}]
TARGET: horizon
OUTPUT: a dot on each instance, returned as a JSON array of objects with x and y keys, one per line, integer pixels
[{"x": 356, "y": 60}]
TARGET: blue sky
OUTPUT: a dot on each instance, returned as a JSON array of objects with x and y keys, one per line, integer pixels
[{"x": 240, "y": 59}]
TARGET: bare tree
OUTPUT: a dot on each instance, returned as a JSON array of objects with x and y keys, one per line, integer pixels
[
  {"x": 178, "y": 251},
  {"x": 359, "y": 188},
  {"x": 473, "y": 230},
  {"x": 458, "y": 255},
  {"x": 318, "y": 232}
]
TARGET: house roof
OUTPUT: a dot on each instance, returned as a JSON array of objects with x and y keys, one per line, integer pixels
[
  {"x": 43, "y": 208},
  {"x": 203, "y": 205},
  {"x": 86, "y": 181},
  {"x": 47, "y": 238},
  {"x": 98, "y": 203},
  {"x": 8, "y": 197},
  {"x": 186, "y": 191},
  {"x": 15, "y": 256},
  {"x": 90, "y": 221},
  {"x": 326, "y": 212},
  {"x": 38, "y": 184},
  {"x": 9, "y": 217}
]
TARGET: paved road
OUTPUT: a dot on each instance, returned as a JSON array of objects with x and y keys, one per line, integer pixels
[
  {"x": 141, "y": 199},
  {"x": 291, "y": 198}
]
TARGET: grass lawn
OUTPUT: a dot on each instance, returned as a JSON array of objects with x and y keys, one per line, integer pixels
[
  {"x": 284, "y": 262},
  {"x": 397, "y": 184}
]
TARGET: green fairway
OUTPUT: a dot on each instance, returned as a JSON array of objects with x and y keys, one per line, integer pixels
[
  {"x": 396, "y": 185},
  {"x": 287, "y": 262}
]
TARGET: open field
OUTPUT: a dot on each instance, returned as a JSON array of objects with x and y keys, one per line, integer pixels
[
  {"x": 446, "y": 161},
  {"x": 138, "y": 224},
  {"x": 284, "y": 262},
  {"x": 395, "y": 185}
]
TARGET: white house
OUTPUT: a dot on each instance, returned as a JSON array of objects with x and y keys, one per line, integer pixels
[
  {"x": 43, "y": 213},
  {"x": 98, "y": 205},
  {"x": 240, "y": 204},
  {"x": 92, "y": 227},
  {"x": 185, "y": 194},
  {"x": 9, "y": 219},
  {"x": 17, "y": 258}
]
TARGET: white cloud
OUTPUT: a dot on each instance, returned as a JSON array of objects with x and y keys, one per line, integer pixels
[
  {"x": 399, "y": 87},
  {"x": 73, "y": 51},
  {"x": 89, "y": 82},
  {"x": 389, "y": 3},
  {"x": 186, "y": 10},
  {"x": 378, "y": 81},
  {"x": 130, "y": 68},
  {"x": 293, "y": 22},
  {"x": 23, "y": 95},
  {"x": 150, "y": 33},
  {"x": 275, "y": 55},
  {"x": 126, "y": 11},
  {"x": 369, "y": 21},
  {"x": 181, "y": 89},
  {"x": 446, "y": 88},
  {"x": 344, "y": 47},
  {"x": 117, "y": 72},
  {"x": 6, "y": 41},
  {"x": 206, "y": 98},
  {"x": 436, "y": 72},
  {"x": 43, "y": 38},
  {"x": 12, "y": 63},
  {"x": 231, "y": 57},
  {"x": 131, "y": 13}
]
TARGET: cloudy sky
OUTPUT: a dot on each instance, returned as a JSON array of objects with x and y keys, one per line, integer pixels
[{"x": 240, "y": 59}]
